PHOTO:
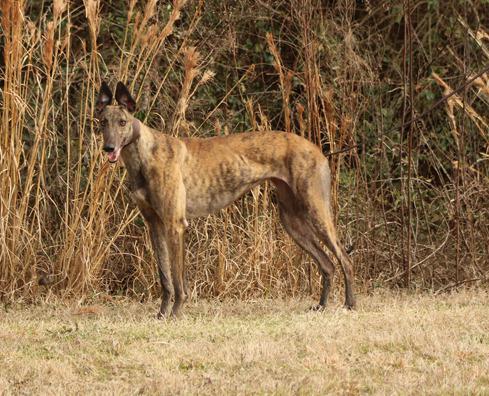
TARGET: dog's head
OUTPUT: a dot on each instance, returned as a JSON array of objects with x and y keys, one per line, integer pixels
[{"x": 116, "y": 122}]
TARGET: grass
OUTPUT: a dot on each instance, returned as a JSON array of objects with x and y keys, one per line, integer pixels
[{"x": 393, "y": 344}]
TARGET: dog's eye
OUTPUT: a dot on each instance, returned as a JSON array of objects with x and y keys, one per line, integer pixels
[
  {"x": 103, "y": 123},
  {"x": 122, "y": 122}
]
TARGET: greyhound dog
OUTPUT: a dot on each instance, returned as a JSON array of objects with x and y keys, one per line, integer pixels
[{"x": 176, "y": 179}]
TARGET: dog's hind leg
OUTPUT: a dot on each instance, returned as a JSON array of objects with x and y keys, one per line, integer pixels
[
  {"x": 303, "y": 235},
  {"x": 318, "y": 214}
]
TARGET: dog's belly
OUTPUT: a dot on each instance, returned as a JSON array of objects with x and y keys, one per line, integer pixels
[
  {"x": 204, "y": 202},
  {"x": 220, "y": 185}
]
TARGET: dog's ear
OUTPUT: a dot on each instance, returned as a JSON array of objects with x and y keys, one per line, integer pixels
[
  {"x": 124, "y": 98},
  {"x": 104, "y": 97}
]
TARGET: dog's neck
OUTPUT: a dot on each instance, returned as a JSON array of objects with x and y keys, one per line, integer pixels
[
  {"x": 136, "y": 131},
  {"x": 132, "y": 154}
]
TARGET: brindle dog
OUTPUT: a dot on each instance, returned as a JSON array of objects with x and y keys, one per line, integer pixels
[{"x": 175, "y": 179}]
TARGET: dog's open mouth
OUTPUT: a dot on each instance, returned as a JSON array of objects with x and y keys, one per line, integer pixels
[{"x": 114, "y": 155}]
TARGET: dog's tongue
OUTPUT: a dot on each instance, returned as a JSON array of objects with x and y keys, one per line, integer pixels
[{"x": 113, "y": 156}]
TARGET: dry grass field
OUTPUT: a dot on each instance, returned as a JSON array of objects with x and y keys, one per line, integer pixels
[{"x": 393, "y": 344}]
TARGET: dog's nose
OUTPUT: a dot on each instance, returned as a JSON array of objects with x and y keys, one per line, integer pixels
[{"x": 108, "y": 148}]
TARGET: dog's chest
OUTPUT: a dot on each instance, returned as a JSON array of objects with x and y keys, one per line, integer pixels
[{"x": 139, "y": 190}]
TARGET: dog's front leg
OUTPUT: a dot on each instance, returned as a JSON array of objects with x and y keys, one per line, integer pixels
[
  {"x": 174, "y": 238},
  {"x": 169, "y": 203},
  {"x": 160, "y": 250}
]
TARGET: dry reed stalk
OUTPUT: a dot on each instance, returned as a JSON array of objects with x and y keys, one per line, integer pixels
[
  {"x": 285, "y": 79},
  {"x": 478, "y": 120},
  {"x": 92, "y": 12},
  {"x": 154, "y": 50},
  {"x": 140, "y": 33},
  {"x": 147, "y": 42},
  {"x": 309, "y": 51},
  {"x": 300, "y": 119},
  {"x": 251, "y": 113},
  {"x": 191, "y": 70},
  {"x": 478, "y": 35},
  {"x": 14, "y": 237}
]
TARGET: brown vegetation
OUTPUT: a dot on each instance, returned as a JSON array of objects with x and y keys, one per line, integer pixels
[{"x": 413, "y": 201}]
